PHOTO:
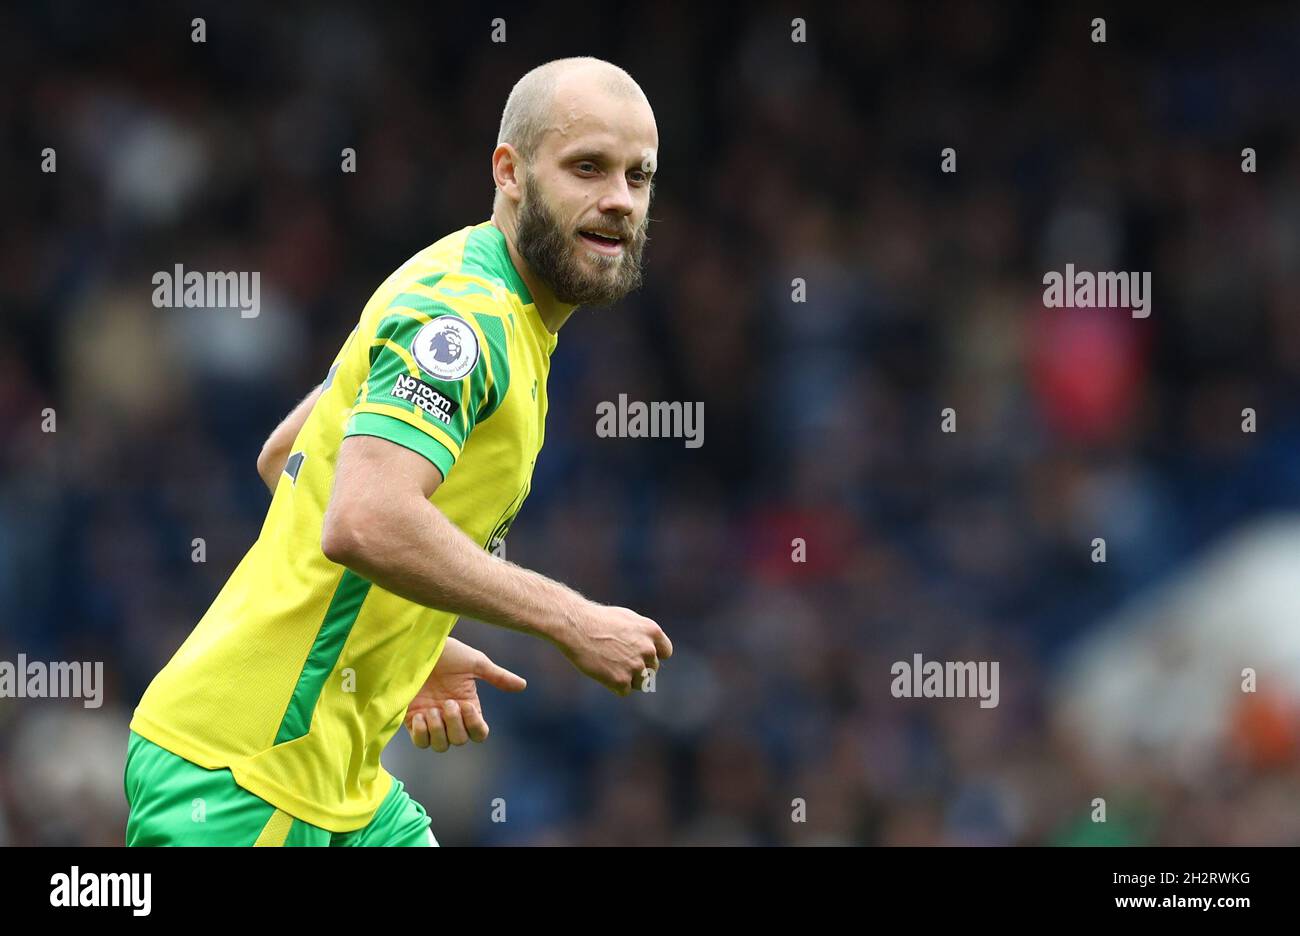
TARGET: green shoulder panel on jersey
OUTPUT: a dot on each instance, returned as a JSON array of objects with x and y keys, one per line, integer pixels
[
  {"x": 490, "y": 379},
  {"x": 438, "y": 366},
  {"x": 487, "y": 255}
]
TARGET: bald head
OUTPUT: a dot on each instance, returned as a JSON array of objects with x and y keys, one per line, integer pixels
[{"x": 545, "y": 98}]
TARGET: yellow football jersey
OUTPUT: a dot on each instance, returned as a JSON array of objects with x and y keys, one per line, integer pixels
[{"x": 301, "y": 670}]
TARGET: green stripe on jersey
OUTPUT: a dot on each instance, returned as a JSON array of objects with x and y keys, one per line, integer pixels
[
  {"x": 407, "y": 436},
  {"x": 495, "y": 334},
  {"x": 471, "y": 289},
  {"x": 325, "y": 650},
  {"x": 419, "y": 303}
]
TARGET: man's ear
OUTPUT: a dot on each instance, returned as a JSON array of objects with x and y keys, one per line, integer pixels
[{"x": 508, "y": 171}]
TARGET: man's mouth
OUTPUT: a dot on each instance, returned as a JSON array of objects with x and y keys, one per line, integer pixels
[{"x": 603, "y": 242}]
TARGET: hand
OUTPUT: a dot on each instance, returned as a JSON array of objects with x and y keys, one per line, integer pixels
[
  {"x": 446, "y": 710},
  {"x": 614, "y": 646}
]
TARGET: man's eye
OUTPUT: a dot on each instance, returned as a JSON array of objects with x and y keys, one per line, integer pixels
[
  {"x": 640, "y": 178},
  {"x": 586, "y": 167}
]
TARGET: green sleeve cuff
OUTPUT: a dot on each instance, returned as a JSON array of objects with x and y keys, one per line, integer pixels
[{"x": 403, "y": 434}]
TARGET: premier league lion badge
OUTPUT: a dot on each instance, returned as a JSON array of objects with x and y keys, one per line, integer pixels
[{"x": 446, "y": 348}]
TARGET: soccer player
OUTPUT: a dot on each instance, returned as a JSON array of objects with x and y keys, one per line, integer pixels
[{"x": 394, "y": 483}]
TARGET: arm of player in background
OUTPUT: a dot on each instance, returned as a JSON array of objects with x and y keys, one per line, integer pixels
[
  {"x": 275, "y": 452},
  {"x": 381, "y": 524}
]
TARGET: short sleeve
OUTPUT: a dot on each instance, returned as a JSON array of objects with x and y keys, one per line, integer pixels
[{"x": 434, "y": 374}]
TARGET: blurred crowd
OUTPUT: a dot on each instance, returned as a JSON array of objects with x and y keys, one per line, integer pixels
[{"x": 779, "y": 160}]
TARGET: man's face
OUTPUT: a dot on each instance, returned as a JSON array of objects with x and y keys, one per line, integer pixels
[{"x": 585, "y": 205}]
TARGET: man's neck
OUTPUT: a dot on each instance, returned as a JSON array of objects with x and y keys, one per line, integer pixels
[{"x": 550, "y": 310}]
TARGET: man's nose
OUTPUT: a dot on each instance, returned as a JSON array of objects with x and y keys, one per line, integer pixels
[{"x": 617, "y": 198}]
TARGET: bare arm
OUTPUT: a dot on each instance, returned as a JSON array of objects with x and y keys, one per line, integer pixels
[
  {"x": 381, "y": 524},
  {"x": 275, "y": 452}
]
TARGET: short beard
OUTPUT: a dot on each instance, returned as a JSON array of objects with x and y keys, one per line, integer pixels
[{"x": 550, "y": 251}]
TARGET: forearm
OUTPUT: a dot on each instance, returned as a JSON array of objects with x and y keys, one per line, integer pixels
[{"x": 411, "y": 549}]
